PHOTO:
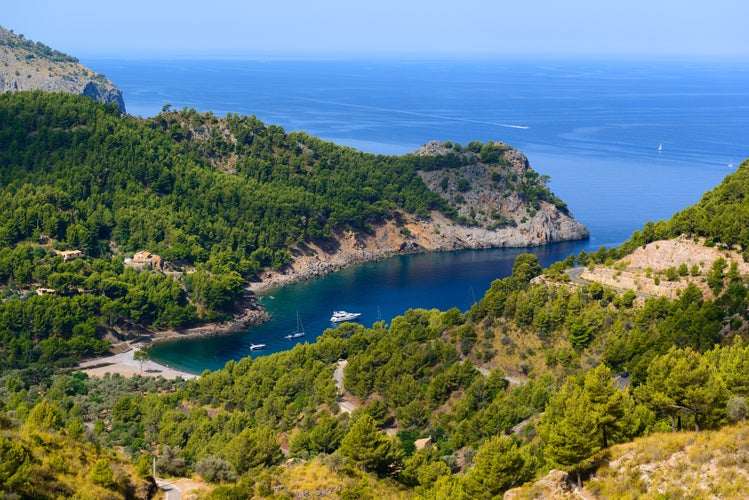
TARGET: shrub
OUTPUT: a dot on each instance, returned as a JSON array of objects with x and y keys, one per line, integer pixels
[{"x": 214, "y": 469}]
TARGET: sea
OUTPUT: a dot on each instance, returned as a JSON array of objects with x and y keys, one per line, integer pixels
[{"x": 623, "y": 142}]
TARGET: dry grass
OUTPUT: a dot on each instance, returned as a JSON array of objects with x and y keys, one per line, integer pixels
[
  {"x": 312, "y": 478},
  {"x": 316, "y": 479},
  {"x": 709, "y": 464},
  {"x": 520, "y": 353}
]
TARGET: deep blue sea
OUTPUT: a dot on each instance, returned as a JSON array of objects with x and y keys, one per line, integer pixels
[{"x": 594, "y": 127}]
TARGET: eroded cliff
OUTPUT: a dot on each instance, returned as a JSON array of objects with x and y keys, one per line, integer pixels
[{"x": 25, "y": 65}]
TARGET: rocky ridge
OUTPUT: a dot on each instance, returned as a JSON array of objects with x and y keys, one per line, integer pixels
[{"x": 25, "y": 65}]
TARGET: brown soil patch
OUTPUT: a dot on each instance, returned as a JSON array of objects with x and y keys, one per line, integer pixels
[{"x": 631, "y": 272}]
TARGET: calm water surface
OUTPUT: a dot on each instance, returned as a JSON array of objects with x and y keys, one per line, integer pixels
[
  {"x": 593, "y": 126},
  {"x": 378, "y": 290}
]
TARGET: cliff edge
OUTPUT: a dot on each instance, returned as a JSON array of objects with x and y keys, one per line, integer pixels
[{"x": 26, "y": 65}]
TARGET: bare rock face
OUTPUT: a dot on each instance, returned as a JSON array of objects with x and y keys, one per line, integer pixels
[
  {"x": 104, "y": 93},
  {"x": 25, "y": 65},
  {"x": 500, "y": 202}
]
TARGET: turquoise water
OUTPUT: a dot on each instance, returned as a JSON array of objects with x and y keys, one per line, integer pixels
[{"x": 593, "y": 126}]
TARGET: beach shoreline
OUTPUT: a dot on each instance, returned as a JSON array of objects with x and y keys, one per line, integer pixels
[
  {"x": 126, "y": 365},
  {"x": 120, "y": 358}
]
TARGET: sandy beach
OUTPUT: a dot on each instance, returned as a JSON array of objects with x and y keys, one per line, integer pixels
[{"x": 124, "y": 364}]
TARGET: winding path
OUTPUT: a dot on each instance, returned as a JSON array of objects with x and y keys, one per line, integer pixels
[
  {"x": 171, "y": 491},
  {"x": 345, "y": 402}
]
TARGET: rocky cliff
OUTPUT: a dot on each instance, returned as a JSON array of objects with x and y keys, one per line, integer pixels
[
  {"x": 499, "y": 204},
  {"x": 25, "y": 65},
  {"x": 500, "y": 200}
]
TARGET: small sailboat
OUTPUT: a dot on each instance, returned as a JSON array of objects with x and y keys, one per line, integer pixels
[
  {"x": 730, "y": 164},
  {"x": 299, "y": 332},
  {"x": 660, "y": 148},
  {"x": 256, "y": 347}
]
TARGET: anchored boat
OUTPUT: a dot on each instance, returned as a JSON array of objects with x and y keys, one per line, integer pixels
[
  {"x": 299, "y": 332},
  {"x": 339, "y": 316}
]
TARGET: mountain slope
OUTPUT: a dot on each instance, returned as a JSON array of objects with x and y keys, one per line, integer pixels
[
  {"x": 217, "y": 203},
  {"x": 25, "y": 65},
  {"x": 710, "y": 464}
]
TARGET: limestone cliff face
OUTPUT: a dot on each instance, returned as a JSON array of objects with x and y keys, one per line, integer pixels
[
  {"x": 501, "y": 202},
  {"x": 499, "y": 205},
  {"x": 25, "y": 65}
]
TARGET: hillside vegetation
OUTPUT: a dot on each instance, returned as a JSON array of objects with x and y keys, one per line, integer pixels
[
  {"x": 627, "y": 394},
  {"x": 721, "y": 217},
  {"x": 441, "y": 375},
  {"x": 710, "y": 464},
  {"x": 217, "y": 201}
]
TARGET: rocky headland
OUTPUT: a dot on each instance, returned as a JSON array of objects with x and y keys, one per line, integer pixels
[
  {"x": 493, "y": 212},
  {"x": 25, "y": 65}
]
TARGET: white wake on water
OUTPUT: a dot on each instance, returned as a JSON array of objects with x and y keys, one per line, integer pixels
[{"x": 415, "y": 113}]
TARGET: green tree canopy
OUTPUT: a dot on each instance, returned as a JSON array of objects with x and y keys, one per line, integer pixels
[
  {"x": 372, "y": 450},
  {"x": 499, "y": 465},
  {"x": 569, "y": 429}
]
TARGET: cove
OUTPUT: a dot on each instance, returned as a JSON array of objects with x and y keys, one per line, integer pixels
[{"x": 380, "y": 290}]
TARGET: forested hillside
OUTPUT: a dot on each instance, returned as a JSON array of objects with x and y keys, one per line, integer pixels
[
  {"x": 721, "y": 216},
  {"x": 542, "y": 373},
  {"x": 429, "y": 374},
  {"x": 215, "y": 200}
]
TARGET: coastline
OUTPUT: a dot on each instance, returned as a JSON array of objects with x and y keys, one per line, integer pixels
[
  {"x": 437, "y": 234},
  {"x": 311, "y": 261},
  {"x": 124, "y": 364}
]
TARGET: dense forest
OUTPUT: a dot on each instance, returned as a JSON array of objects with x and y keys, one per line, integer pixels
[
  {"x": 218, "y": 200},
  {"x": 428, "y": 374},
  {"x": 541, "y": 373}
]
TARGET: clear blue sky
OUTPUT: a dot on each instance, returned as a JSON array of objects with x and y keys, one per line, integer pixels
[{"x": 682, "y": 28}]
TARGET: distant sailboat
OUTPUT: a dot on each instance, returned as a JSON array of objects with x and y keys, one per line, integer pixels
[
  {"x": 660, "y": 148},
  {"x": 730, "y": 164}
]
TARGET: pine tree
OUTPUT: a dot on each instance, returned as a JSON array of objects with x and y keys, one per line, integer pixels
[
  {"x": 500, "y": 464},
  {"x": 569, "y": 429},
  {"x": 371, "y": 449},
  {"x": 684, "y": 381},
  {"x": 608, "y": 402},
  {"x": 141, "y": 356}
]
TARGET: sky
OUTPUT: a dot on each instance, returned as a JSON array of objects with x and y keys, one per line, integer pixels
[{"x": 153, "y": 28}]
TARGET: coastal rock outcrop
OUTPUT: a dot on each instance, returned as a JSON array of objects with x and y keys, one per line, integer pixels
[
  {"x": 25, "y": 65},
  {"x": 500, "y": 200}
]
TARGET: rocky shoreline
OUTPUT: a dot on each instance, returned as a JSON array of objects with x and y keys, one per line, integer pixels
[
  {"x": 411, "y": 236},
  {"x": 521, "y": 224},
  {"x": 385, "y": 241}
]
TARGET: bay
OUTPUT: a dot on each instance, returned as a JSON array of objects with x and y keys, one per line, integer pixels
[
  {"x": 378, "y": 290},
  {"x": 593, "y": 126}
]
